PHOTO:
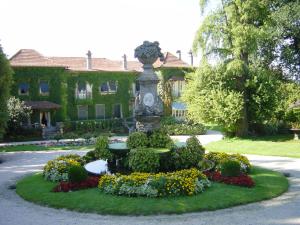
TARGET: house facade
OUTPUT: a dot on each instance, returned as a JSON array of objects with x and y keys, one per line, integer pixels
[{"x": 84, "y": 88}]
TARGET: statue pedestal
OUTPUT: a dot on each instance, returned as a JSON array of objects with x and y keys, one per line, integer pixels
[
  {"x": 147, "y": 123},
  {"x": 148, "y": 104}
]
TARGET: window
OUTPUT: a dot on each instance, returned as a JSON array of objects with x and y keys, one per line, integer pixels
[
  {"x": 117, "y": 111},
  {"x": 100, "y": 111},
  {"x": 112, "y": 86},
  {"x": 104, "y": 87},
  {"x": 81, "y": 86},
  {"x": 83, "y": 112},
  {"x": 177, "y": 88},
  {"x": 23, "y": 89},
  {"x": 109, "y": 87},
  {"x": 83, "y": 91},
  {"x": 44, "y": 88}
]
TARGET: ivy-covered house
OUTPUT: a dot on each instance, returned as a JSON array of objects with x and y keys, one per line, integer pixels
[{"x": 85, "y": 88}]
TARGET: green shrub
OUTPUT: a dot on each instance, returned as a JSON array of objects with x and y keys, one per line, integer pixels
[
  {"x": 206, "y": 165},
  {"x": 89, "y": 157},
  {"x": 57, "y": 169},
  {"x": 101, "y": 148},
  {"x": 137, "y": 140},
  {"x": 219, "y": 157},
  {"x": 184, "y": 182},
  {"x": 194, "y": 145},
  {"x": 144, "y": 160},
  {"x": 175, "y": 127},
  {"x": 230, "y": 168},
  {"x": 77, "y": 174},
  {"x": 189, "y": 156},
  {"x": 160, "y": 139}
]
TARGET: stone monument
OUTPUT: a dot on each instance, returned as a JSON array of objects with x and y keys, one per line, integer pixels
[{"x": 148, "y": 104}]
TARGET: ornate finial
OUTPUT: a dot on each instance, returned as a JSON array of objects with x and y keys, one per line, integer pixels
[{"x": 148, "y": 52}]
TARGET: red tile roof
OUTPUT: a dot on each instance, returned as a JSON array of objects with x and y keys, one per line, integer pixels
[{"x": 30, "y": 57}]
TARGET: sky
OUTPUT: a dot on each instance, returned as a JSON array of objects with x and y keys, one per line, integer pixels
[{"x": 109, "y": 28}]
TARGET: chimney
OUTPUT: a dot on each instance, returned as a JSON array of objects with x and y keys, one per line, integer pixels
[
  {"x": 192, "y": 57},
  {"x": 179, "y": 54},
  {"x": 89, "y": 60},
  {"x": 125, "y": 62}
]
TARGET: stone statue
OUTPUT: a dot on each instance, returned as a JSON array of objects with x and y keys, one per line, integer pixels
[{"x": 148, "y": 104}]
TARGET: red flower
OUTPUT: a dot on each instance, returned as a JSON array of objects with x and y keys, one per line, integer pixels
[
  {"x": 241, "y": 180},
  {"x": 90, "y": 182}
]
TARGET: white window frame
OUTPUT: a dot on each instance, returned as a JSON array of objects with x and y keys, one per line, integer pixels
[
  {"x": 96, "y": 111},
  {"x": 87, "y": 112}
]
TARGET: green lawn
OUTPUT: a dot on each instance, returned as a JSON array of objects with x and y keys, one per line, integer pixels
[
  {"x": 43, "y": 148},
  {"x": 269, "y": 184},
  {"x": 281, "y": 145}
]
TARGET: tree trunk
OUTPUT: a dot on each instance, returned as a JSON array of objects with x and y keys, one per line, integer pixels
[{"x": 243, "y": 123}]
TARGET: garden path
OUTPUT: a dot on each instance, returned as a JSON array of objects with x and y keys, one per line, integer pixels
[{"x": 14, "y": 210}]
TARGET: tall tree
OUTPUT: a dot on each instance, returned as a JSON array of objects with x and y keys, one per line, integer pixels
[
  {"x": 5, "y": 84},
  {"x": 232, "y": 34}
]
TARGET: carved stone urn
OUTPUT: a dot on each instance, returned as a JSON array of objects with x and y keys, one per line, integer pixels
[{"x": 148, "y": 104}]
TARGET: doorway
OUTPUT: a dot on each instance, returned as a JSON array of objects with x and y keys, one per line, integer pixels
[{"x": 45, "y": 119}]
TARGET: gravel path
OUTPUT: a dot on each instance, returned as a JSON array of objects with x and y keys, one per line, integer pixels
[{"x": 14, "y": 210}]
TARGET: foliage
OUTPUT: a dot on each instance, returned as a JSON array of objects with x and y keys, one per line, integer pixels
[
  {"x": 6, "y": 80},
  {"x": 94, "y": 125},
  {"x": 89, "y": 157},
  {"x": 194, "y": 145},
  {"x": 219, "y": 157},
  {"x": 215, "y": 102},
  {"x": 184, "y": 182},
  {"x": 206, "y": 165},
  {"x": 144, "y": 160},
  {"x": 230, "y": 168},
  {"x": 57, "y": 80},
  {"x": 281, "y": 46},
  {"x": 160, "y": 139},
  {"x": 185, "y": 129},
  {"x": 238, "y": 35},
  {"x": 101, "y": 148},
  {"x": 18, "y": 113},
  {"x": 77, "y": 174},
  {"x": 57, "y": 169},
  {"x": 189, "y": 156},
  {"x": 137, "y": 140}
]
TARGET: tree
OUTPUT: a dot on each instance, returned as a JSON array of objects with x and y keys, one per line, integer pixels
[
  {"x": 281, "y": 48},
  {"x": 233, "y": 34},
  {"x": 5, "y": 85},
  {"x": 18, "y": 113}
]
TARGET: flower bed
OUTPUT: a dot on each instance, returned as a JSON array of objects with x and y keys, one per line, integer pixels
[
  {"x": 241, "y": 180},
  {"x": 219, "y": 157},
  {"x": 90, "y": 182},
  {"x": 183, "y": 182},
  {"x": 57, "y": 169}
]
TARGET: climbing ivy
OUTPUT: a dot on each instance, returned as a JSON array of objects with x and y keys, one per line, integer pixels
[
  {"x": 62, "y": 86},
  {"x": 165, "y": 85}
]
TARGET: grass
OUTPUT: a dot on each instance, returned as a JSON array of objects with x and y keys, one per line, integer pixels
[
  {"x": 280, "y": 145},
  {"x": 19, "y": 148},
  {"x": 269, "y": 184}
]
